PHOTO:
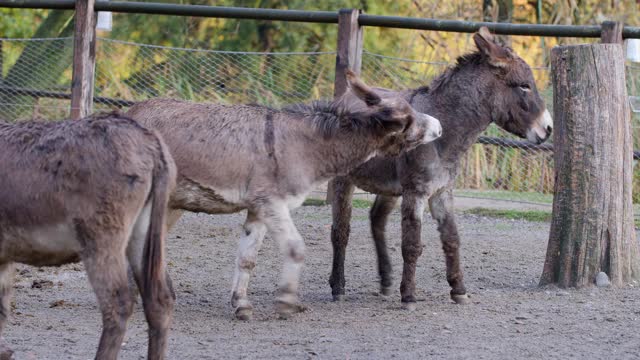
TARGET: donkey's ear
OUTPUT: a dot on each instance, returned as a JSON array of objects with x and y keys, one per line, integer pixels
[
  {"x": 362, "y": 91},
  {"x": 497, "y": 55}
]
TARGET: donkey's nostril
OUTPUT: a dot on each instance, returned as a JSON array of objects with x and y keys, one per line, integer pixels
[
  {"x": 439, "y": 132},
  {"x": 549, "y": 129}
]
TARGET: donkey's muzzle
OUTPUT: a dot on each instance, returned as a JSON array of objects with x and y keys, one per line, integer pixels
[{"x": 433, "y": 129}]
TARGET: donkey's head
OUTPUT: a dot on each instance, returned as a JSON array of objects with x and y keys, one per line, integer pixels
[
  {"x": 517, "y": 105},
  {"x": 393, "y": 119}
]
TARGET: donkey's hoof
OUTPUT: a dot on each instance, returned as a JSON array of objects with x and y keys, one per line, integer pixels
[
  {"x": 5, "y": 352},
  {"x": 386, "y": 290},
  {"x": 244, "y": 313},
  {"x": 461, "y": 299},
  {"x": 409, "y": 306},
  {"x": 285, "y": 310},
  {"x": 338, "y": 297}
]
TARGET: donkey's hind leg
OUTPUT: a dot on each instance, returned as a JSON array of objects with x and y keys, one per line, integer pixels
[
  {"x": 441, "y": 206},
  {"x": 412, "y": 209},
  {"x": 158, "y": 304},
  {"x": 280, "y": 225},
  {"x": 248, "y": 248},
  {"x": 6, "y": 290},
  {"x": 107, "y": 271},
  {"x": 378, "y": 215},
  {"x": 340, "y": 229}
]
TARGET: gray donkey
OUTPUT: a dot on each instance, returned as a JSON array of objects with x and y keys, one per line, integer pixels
[
  {"x": 94, "y": 190},
  {"x": 235, "y": 157},
  {"x": 490, "y": 85}
]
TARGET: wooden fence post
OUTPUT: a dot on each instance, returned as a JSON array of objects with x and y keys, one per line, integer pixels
[
  {"x": 84, "y": 59},
  {"x": 592, "y": 229},
  {"x": 611, "y": 32},
  {"x": 349, "y": 56}
]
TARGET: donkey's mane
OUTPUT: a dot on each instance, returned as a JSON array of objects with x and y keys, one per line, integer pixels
[
  {"x": 328, "y": 117},
  {"x": 470, "y": 59}
]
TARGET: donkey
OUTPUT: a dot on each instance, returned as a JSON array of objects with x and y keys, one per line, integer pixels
[
  {"x": 490, "y": 85},
  {"x": 235, "y": 157},
  {"x": 94, "y": 190}
]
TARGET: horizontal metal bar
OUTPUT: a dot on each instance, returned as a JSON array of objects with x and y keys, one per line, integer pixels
[
  {"x": 591, "y": 31},
  {"x": 59, "y": 95},
  {"x": 471, "y": 26},
  {"x": 514, "y": 144},
  {"x": 524, "y": 145},
  {"x": 39, "y": 4},
  {"x": 218, "y": 11}
]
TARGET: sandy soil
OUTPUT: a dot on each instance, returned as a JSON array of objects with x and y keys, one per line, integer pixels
[{"x": 509, "y": 318}]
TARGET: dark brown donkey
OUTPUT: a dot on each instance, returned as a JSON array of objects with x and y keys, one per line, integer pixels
[
  {"x": 235, "y": 157},
  {"x": 490, "y": 85},
  {"x": 94, "y": 190}
]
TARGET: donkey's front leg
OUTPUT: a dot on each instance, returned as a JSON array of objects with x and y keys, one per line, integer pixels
[
  {"x": 412, "y": 210},
  {"x": 248, "y": 249},
  {"x": 280, "y": 225},
  {"x": 441, "y": 206},
  {"x": 7, "y": 271},
  {"x": 340, "y": 229}
]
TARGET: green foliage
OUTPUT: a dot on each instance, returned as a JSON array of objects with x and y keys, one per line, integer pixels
[
  {"x": 528, "y": 215},
  {"x": 356, "y": 203},
  {"x": 314, "y": 202},
  {"x": 361, "y": 203},
  {"x": 20, "y": 23}
]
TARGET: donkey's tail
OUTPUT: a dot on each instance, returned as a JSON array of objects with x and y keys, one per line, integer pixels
[{"x": 156, "y": 280}]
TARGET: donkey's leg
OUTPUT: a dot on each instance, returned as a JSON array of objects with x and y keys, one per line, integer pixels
[
  {"x": 441, "y": 206},
  {"x": 378, "y": 215},
  {"x": 158, "y": 307},
  {"x": 173, "y": 215},
  {"x": 248, "y": 249},
  {"x": 107, "y": 272},
  {"x": 6, "y": 291},
  {"x": 341, "y": 210},
  {"x": 412, "y": 210},
  {"x": 281, "y": 227}
]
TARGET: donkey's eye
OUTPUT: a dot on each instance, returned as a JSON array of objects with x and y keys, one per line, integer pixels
[{"x": 525, "y": 87}]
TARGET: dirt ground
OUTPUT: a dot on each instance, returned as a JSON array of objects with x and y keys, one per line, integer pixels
[{"x": 509, "y": 318}]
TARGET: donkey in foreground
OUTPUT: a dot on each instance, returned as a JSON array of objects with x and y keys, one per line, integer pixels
[
  {"x": 490, "y": 85},
  {"x": 235, "y": 157},
  {"x": 94, "y": 190}
]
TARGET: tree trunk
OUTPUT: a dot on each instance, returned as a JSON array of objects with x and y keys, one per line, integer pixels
[{"x": 592, "y": 228}]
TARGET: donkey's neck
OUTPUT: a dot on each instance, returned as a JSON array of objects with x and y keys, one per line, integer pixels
[
  {"x": 463, "y": 117},
  {"x": 341, "y": 153}
]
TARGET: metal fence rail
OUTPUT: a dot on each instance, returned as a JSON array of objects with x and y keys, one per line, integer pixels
[{"x": 325, "y": 17}]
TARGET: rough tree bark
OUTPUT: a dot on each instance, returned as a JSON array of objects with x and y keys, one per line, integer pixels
[{"x": 592, "y": 228}]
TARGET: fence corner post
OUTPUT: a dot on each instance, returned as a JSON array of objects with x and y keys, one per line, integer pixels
[
  {"x": 84, "y": 59},
  {"x": 349, "y": 56}
]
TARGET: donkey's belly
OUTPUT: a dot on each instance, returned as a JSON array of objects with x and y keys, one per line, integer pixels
[
  {"x": 40, "y": 246},
  {"x": 377, "y": 176},
  {"x": 191, "y": 196}
]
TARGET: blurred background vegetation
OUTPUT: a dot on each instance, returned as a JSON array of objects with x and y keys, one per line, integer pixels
[{"x": 249, "y": 65}]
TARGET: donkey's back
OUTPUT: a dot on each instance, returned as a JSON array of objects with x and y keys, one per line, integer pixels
[{"x": 91, "y": 190}]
